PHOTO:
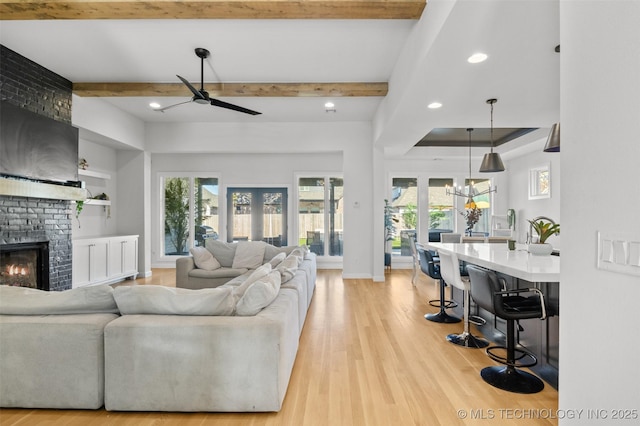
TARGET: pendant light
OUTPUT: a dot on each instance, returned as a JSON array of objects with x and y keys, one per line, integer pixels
[
  {"x": 553, "y": 141},
  {"x": 468, "y": 196},
  {"x": 491, "y": 161}
]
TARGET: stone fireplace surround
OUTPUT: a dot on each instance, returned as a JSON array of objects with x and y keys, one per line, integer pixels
[{"x": 29, "y": 219}]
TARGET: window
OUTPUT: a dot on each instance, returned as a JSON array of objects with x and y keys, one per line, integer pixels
[
  {"x": 257, "y": 214},
  {"x": 441, "y": 209},
  {"x": 320, "y": 213},
  {"x": 539, "y": 183},
  {"x": 404, "y": 202},
  {"x": 483, "y": 202},
  {"x": 188, "y": 203}
]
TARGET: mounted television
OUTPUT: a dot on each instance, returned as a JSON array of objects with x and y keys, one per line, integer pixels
[{"x": 36, "y": 147}]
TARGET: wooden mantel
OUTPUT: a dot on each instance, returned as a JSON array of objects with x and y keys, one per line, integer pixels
[{"x": 211, "y": 9}]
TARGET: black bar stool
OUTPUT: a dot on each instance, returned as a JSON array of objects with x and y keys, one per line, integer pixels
[
  {"x": 511, "y": 306},
  {"x": 429, "y": 264}
]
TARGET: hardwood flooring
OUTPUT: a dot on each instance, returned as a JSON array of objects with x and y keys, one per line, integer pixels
[{"x": 367, "y": 356}]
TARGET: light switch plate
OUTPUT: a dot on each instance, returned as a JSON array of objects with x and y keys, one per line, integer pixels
[{"x": 619, "y": 252}]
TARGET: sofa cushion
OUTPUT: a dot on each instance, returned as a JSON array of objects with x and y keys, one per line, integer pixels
[
  {"x": 239, "y": 287},
  {"x": 249, "y": 254},
  {"x": 259, "y": 295},
  {"x": 288, "y": 267},
  {"x": 83, "y": 300},
  {"x": 161, "y": 300},
  {"x": 271, "y": 251},
  {"x": 204, "y": 259},
  {"x": 299, "y": 253},
  {"x": 217, "y": 273},
  {"x": 275, "y": 260},
  {"x": 223, "y": 252}
]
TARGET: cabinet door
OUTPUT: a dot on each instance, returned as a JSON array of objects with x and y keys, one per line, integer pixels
[
  {"x": 89, "y": 262},
  {"x": 81, "y": 260},
  {"x": 130, "y": 257},
  {"x": 123, "y": 256},
  {"x": 99, "y": 253}
]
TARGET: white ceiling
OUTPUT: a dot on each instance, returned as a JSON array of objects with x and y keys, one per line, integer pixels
[{"x": 518, "y": 35}]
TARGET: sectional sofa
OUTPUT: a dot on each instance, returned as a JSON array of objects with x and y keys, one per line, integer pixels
[{"x": 229, "y": 348}]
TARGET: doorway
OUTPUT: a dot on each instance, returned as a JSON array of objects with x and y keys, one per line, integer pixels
[{"x": 257, "y": 214}]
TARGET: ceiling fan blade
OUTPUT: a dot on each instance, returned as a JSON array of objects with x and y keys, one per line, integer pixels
[
  {"x": 174, "y": 105},
  {"x": 195, "y": 91},
  {"x": 221, "y": 104}
]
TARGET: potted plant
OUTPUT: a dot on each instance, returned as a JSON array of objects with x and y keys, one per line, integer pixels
[
  {"x": 544, "y": 229},
  {"x": 389, "y": 232}
]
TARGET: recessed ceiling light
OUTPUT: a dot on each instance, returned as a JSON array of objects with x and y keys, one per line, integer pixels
[
  {"x": 434, "y": 105},
  {"x": 329, "y": 107},
  {"x": 154, "y": 105},
  {"x": 477, "y": 58}
]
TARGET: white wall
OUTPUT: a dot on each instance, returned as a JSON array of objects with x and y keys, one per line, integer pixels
[
  {"x": 600, "y": 116},
  {"x": 518, "y": 195},
  {"x": 277, "y": 170},
  {"x": 94, "y": 220},
  {"x": 343, "y": 148},
  {"x": 108, "y": 122}
]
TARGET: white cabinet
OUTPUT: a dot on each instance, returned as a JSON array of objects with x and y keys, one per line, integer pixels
[
  {"x": 89, "y": 262},
  {"x": 104, "y": 260},
  {"x": 123, "y": 256}
]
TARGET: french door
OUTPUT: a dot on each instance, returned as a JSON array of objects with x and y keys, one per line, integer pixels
[{"x": 257, "y": 214}]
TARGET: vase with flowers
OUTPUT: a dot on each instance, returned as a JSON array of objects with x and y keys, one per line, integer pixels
[{"x": 471, "y": 215}]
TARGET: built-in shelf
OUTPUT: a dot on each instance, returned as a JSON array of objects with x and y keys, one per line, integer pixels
[
  {"x": 93, "y": 173},
  {"x": 98, "y": 202}
]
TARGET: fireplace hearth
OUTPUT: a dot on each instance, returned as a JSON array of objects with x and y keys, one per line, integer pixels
[{"x": 25, "y": 265}]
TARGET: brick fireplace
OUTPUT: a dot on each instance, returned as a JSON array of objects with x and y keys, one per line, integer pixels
[
  {"x": 25, "y": 265},
  {"x": 24, "y": 218}
]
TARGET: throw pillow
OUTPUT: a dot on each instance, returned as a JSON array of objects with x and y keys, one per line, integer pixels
[
  {"x": 259, "y": 295},
  {"x": 204, "y": 259},
  {"x": 222, "y": 251},
  {"x": 161, "y": 300},
  {"x": 82, "y": 300},
  {"x": 249, "y": 255},
  {"x": 275, "y": 261},
  {"x": 259, "y": 273},
  {"x": 299, "y": 254},
  {"x": 288, "y": 268}
]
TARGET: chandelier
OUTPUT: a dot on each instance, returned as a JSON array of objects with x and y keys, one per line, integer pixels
[{"x": 468, "y": 196}]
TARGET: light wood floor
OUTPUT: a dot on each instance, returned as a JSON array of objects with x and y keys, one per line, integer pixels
[{"x": 367, "y": 356}]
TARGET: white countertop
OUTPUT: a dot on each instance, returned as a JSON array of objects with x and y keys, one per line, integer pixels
[{"x": 517, "y": 263}]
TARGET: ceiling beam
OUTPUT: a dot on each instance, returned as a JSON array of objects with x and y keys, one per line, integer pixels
[
  {"x": 211, "y": 9},
  {"x": 232, "y": 89}
]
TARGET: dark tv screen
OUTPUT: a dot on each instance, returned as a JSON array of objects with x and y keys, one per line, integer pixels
[{"x": 37, "y": 147}]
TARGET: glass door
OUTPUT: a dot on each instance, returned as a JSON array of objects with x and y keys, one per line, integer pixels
[{"x": 257, "y": 214}]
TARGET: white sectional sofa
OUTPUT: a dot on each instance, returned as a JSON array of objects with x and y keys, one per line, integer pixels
[
  {"x": 156, "y": 348},
  {"x": 231, "y": 261}
]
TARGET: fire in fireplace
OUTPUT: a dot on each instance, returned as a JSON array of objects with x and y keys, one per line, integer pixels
[{"x": 25, "y": 265}]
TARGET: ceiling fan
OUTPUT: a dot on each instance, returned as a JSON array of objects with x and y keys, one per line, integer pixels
[{"x": 202, "y": 96}]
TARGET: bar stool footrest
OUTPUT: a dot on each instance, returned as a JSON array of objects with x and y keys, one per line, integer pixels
[
  {"x": 448, "y": 304},
  {"x": 519, "y": 354}
]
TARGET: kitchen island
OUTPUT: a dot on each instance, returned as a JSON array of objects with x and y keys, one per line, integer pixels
[{"x": 519, "y": 269}]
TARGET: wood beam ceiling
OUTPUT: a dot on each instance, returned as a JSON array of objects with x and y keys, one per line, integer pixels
[
  {"x": 218, "y": 9},
  {"x": 211, "y": 9},
  {"x": 232, "y": 89}
]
